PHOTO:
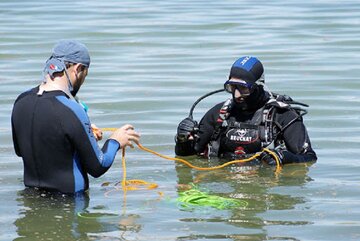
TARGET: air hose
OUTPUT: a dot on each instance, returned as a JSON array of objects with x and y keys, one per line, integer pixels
[{"x": 200, "y": 99}]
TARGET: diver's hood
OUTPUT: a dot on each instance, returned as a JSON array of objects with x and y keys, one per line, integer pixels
[{"x": 254, "y": 101}]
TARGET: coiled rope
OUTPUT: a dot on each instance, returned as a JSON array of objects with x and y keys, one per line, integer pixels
[{"x": 196, "y": 197}]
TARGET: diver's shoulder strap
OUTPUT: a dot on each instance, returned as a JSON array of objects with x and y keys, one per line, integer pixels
[
  {"x": 221, "y": 121},
  {"x": 224, "y": 111},
  {"x": 283, "y": 102},
  {"x": 286, "y": 102}
]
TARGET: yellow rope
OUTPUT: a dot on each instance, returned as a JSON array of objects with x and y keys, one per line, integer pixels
[
  {"x": 109, "y": 129},
  {"x": 141, "y": 184},
  {"x": 134, "y": 184},
  {"x": 196, "y": 167}
]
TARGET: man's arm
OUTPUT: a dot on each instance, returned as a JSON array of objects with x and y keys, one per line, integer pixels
[
  {"x": 198, "y": 143},
  {"x": 296, "y": 138},
  {"x": 95, "y": 160}
]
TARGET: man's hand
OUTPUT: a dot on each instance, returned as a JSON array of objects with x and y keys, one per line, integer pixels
[
  {"x": 270, "y": 158},
  {"x": 186, "y": 130},
  {"x": 126, "y": 135},
  {"x": 97, "y": 132}
]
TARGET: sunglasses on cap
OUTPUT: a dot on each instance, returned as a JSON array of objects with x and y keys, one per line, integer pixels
[{"x": 243, "y": 87}]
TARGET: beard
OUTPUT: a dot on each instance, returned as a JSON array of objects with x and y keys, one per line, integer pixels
[
  {"x": 76, "y": 86},
  {"x": 75, "y": 89}
]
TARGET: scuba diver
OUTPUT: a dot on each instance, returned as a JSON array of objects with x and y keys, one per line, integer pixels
[{"x": 251, "y": 120}]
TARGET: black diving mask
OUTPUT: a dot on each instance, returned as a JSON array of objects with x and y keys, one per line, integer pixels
[{"x": 244, "y": 88}]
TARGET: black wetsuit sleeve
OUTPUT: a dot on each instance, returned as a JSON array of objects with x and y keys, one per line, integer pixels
[
  {"x": 14, "y": 137},
  {"x": 206, "y": 129},
  {"x": 185, "y": 148},
  {"x": 16, "y": 145},
  {"x": 296, "y": 138}
]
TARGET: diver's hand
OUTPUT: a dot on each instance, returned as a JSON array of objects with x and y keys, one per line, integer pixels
[
  {"x": 126, "y": 135},
  {"x": 270, "y": 159},
  {"x": 187, "y": 129},
  {"x": 97, "y": 132}
]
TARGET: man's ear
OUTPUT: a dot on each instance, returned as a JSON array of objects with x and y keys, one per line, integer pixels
[{"x": 79, "y": 68}]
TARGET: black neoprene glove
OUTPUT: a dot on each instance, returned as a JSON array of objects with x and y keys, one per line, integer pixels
[
  {"x": 186, "y": 128},
  {"x": 270, "y": 159}
]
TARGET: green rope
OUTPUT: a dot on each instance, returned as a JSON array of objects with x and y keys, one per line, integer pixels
[{"x": 195, "y": 197}]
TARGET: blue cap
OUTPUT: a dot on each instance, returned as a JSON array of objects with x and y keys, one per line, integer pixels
[
  {"x": 247, "y": 68},
  {"x": 54, "y": 66},
  {"x": 67, "y": 51}
]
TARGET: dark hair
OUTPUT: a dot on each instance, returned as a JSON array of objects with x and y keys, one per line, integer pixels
[{"x": 69, "y": 64}]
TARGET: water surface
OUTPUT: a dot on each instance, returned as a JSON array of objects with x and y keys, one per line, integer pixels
[{"x": 150, "y": 61}]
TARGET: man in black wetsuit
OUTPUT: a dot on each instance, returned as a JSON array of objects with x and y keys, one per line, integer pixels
[
  {"x": 52, "y": 131},
  {"x": 251, "y": 120}
]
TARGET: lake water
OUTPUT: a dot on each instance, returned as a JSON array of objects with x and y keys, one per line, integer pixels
[{"x": 150, "y": 61}]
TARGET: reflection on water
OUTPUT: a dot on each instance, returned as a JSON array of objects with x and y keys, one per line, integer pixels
[
  {"x": 49, "y": 216},
  {"x": 46, "y": 216},
  {"x": 247, "y": 183}
]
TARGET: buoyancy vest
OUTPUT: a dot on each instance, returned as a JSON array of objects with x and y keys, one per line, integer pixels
[{"x": 249, "y": 137}]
